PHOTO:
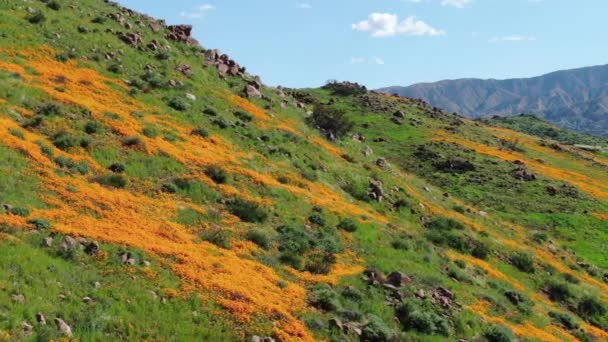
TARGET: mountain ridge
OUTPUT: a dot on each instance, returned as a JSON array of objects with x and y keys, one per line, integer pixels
[{"x": 575, "y": 98}]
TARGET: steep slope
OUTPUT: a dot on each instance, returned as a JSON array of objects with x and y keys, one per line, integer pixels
[
  {"x": 574, "y": 99},
  {"x": 145, "y": 197}
]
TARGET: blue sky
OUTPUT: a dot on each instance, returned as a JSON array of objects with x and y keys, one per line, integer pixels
[{"x": 303, "y": 43}]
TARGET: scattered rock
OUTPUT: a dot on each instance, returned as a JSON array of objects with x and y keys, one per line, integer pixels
[
  {"x": 190, "y": 97},
  {"x": 48, "y": 241},
  {"x": 399, "y": 114},
  {"x": 40, "y": 318},
  {"x": 26, "y": 328},
  {"x": 376, "y": 190},
  {"x": 182, "y": 34},
  {"x": 482, "y": 213},
  {"x": 382, "y": 163},
  {"x": 69, "y": 243},
  {"x": 262, "y": 339},
  {"x": 367, "y": 151},
  {"x": 18, "y": 298},
  {"x": 92, "y": 248},
  {"x": 87, "y": 300},
  {"x": 63, "y": 327},
  {"x": 131, "y": 38},
  {"x": 185, "y": 69},
  {"x": 146, "y": 263},
  {"x": 153, "y": 294},
  {"x": 251, "y": 91},
  {"x": 398, "y": 279}
]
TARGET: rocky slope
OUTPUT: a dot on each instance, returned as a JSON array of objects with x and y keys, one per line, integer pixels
[
  {"x": 152, "y": 189},
  {"x": 574, "y": 99}
]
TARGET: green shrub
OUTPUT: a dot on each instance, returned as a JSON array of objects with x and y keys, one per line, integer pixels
[
  {"x": 247, "y": 211},
  {"x": 178, "y": 103},
  {"x": 76, "y": 167},
  {"x": 376, "y": 331},
  {"x": 201, "y": 132},
  {"x": 416, "y": 315},
  {"x": 523, "y": 262},
  {"x": 217, "y": 174},
  {"x": 497, "y": 333},
  {"x": 150, "y": 132},
  {"x": 558, "y": 292},
  {"x": 219, "y": 237},
  {"x": 590, "y": 308},
  {"x": 323, "y": 297},
  {"x": 16, "y": 133},
  {"x": 132, "y": 141},
  {"x": 49, "y": 109},
  {"x": 99, "y": 19},
  {"x": 480, "y": 250},
  {"x": 400, "y": 244},
  {"x": 243, "y": 116},
  {"x": 348, "y": 225},
  {"x": 115, "y": 68},
  {"x": 259, "y": 237},
  {"x": 65, "y": 141},
  {"x": 445, "y": 224},
  {"x": 54, "y": 5},
  {"x": 36, "y": 18},
  {"x": 317, "y": 219},
  {"x": 113, "y": 180},
  {"x": 40, "y": 224},
  {"x": 210, "y": 111},
  {"x": 169, "y": 188},
  {"x": 320, "y": 262},
  {"x": 291, "y": 259},
  {"x": 117, "y": 168},
  {"x": 330, "y": 120},
  {"x": 564, "y": 320},
  {"x": 19, "y": 211},
  {"x": 293, "y": 240},
  {"x": 93, "y": 127}
]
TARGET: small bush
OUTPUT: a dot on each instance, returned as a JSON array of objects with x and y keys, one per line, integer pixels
[
  {"x": 178, "y": 103},
  {"x": 293, "y": 240},
  {"x": 16, "y": 133},
  {"x": 348, "y": 225},
  {"x": 498, "y": 333},
  {"x": 243, "y": 116},
  {"x": 132, "y": 141},
  {"x": 376, "y": 331},
  {"x": 320, "y": 262},
  {"x": 441, "y": 223},
  {"x": 40, "y": 224},
  {"x": 115, "y": 68},
  {"x": 480, "y": 251},
  {"x": 169, "y": 188},
  {"x": 65, "y": 141},
  {"x": 54, "y": 5},
  {"x": 93, "y": 127},
  {"x": 117, "y": 168},
  {"x": 201, "y": 132},
  {"x": 590, "y": 308},
  {"x": 150, "y": 132},
  {"x": 81, "y": 167},
  {"x": 291, "y": 259},
  {"x": 330, "y": 120},
  {"x": 19, "y": 211},
  {"x": 523, "y": 262},
  {"x": 248, "y": 211},
  {"x": 323, "y": 297},
  {"x": 49, "y": 109},
  {"x": 36, "y": 18},
  {"x": 558, "y": 292},
  {"x": 564, "y": 320},
  {"x": 317, "y": 220},
  {"x": 259, "y": 237},
  {"x": 400, "y": 244},
  {"x": 414, "y": 315},
  {"x": 113, "y": 180},
  {"x": 217, "y": 174},
  {"x": 99, "y": 20},
  {"x": 210, "y": 111},
  {"x": 219, "y": 237}
]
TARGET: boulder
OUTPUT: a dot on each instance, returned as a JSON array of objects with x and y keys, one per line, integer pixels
[
  {"x": 48, "y": 241},
  {"x": 185, "y": 69},
  {"x": 92, "y": 248},
  {"x": 182, "y": 34},
  {"x": 399, "y": 114},
  {"x": 398, "y": 279},
  {"x": 222, "y": 69},
  {"x": 40, "y": 318},
  {"x": 382, "y": 163},
  {"x": 63, "y": 327},
  {"x": 18, "y": 298},
  {"x": 131, "y": 38},
  {"x": 251, "y": 91},
  {"x": 376, "y": 190}
]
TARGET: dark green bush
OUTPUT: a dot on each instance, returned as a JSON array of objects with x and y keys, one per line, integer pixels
[
  {"x": 36, "y": 18},
  {"x": 132, "y": 141},
  {"x": 54, "y": 5},
  {"x": 219, "y": 237},
  {"x": 243, "y": 116},
  {"x": 247, "y": 211},
  {"x": 564, "y": 320},
  {"x": 169, "y": 188},
  {"x": 441, "y": 223},
  {"x": 19, "y": 211},
  {"x": 117, "y": 168},
  {"x": 49, "y": 109},
  {"x": 210, "y": 111},
  {"x": 498, "y": 333},
  {"x": 40, "y": 224},
  {"x": 330, "y": 120},
  {"x": 65, "y": 141},
  {"x": 523, "y": 262},
  {"x": 291, "y": 259},
  {"x": 348, "y": 225},
  {"x": 150, "y": 132},
  {"x": 480, "y": 250},
  {"x": 76, "y": 167},
  {"x": 323, "y": 297},
  {"x": 259, "y": 237},
  {"x": 113, "y": 180},
  {"x": 92, "y": 127},
  {"x": 558, "y": 292},
  {"x": 201, "y": 132},
  {"x": 178, "y": 103},
  {"x": 293, "y": 240},
  {"x": 217, "y": 174},
  {"x": 320, "y": 262},
  {"x": 376, "y": 331},
  {"x": 115, "y": 68},
  {"x": 590, "y": 308},
  {"x": 416, "y": 315},
  {"x": 317, "y": 220}
]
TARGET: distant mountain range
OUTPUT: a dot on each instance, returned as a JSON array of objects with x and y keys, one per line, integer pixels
[{"x": 575, "y": 99}]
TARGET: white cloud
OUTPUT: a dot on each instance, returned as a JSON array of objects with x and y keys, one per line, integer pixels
[
  {"x": 304, "y": 5},
  {"x": 388, "y": 25},
  {"x": 378, "y": 60},
  {"x": 358, "y": 60},
  {"x": 198, "y": 12},
  {"x": 513, "y": 38},
  {"x": 455, "y": 3}
]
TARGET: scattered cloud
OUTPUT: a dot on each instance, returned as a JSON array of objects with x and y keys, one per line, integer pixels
[
  {"x": 388, "y": 25},
  {"x": 455, "y": 3},
  {"x": 365, "y": 60},
  {"x": 197, "y": 12},
  {"x": 357, "y": 60},
  {"x": 304, "y": 5},
  {"x": 378, "y": 60},
  {"x": 513, "y": 38}
]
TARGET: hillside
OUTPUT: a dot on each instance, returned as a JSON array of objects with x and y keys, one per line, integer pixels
[
  {"x": 574, "y": 99},
  {"x": 151, "y": 189}
]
